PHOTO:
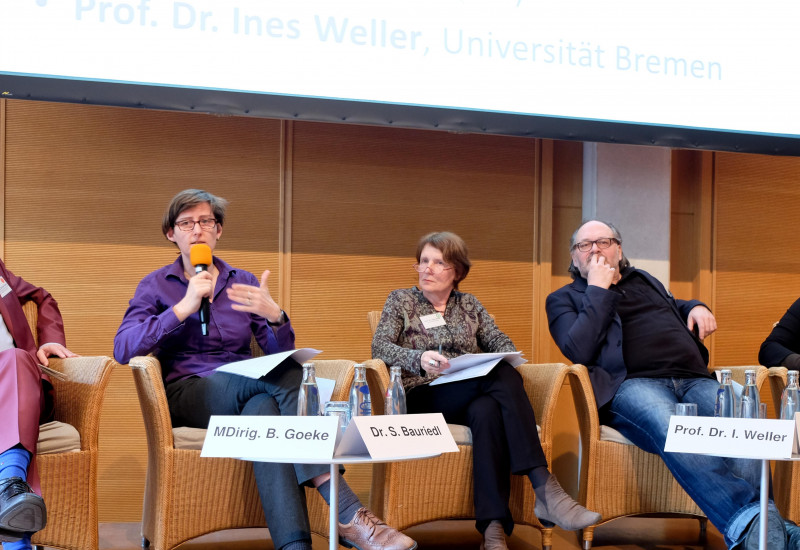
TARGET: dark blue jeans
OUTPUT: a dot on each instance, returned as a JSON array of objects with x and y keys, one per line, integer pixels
[
  {"x": 726, "y": 489},
  {"x": 192, "y": 401}
]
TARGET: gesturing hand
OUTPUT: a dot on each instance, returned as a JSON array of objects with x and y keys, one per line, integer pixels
[{"x": 256, "y": 299}]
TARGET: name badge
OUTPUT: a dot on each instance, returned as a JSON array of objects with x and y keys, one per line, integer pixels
[
  {"x": 4, "y": 288},
  {"x": 432, "y": 320}
]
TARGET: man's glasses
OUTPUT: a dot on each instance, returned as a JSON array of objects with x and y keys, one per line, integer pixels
[
  {"x": 602, "y": 244},
  {"x": 206, "y": 224},
  {"x": 436, "y": 267}
]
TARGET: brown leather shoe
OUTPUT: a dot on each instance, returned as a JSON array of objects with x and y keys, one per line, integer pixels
[
  {"x": 494, "y": 538},
  {"x": 366, "y": 532}
]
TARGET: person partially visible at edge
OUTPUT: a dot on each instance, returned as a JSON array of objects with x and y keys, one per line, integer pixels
[
  {"x": 26, "y": 401},
  {"x": 782, "y": 346},
  {"x": 163, "y": 319},
  {"x": 644, "y": 352},
  {"x": 494, "y": 406}
]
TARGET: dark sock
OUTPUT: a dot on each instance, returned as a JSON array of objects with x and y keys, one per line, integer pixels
[
  {"x": 294, "y": 545},
  {"x": 348, "y": 501},
  {"x": 14, "y": 463},
  {"x": 538, "y": 476}
]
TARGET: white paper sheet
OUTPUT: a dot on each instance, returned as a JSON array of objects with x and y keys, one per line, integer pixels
[
  {"x": 473, "y": 365},
  {"x": 259, "y": 366},
  {"x": 326, "y": 387}
]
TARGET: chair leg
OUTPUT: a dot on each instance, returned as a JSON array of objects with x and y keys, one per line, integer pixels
[
  {"x": 587, "y": 535},
  {"x": 547, "y": 539},
  {"x": 703, "y": 528}
]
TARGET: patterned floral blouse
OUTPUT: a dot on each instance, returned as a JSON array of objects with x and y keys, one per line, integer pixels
[{"x": 401, "y": 338}]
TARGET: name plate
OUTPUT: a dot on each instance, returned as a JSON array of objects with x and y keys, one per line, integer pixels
[
  {"x": 397, "y": 436},
  {"x": 733, "y": 437},
  {"x": 271, "y": 438}
]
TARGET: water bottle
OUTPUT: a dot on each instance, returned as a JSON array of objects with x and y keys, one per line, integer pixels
[
  {"x": 790, "y": 400},
  {"x": 360, "y": 402},
  {"x": 726, "y": 399},
  {"x": 751, "y": 401},
  {"x": 308, "y": 398},
  {"x": 395, "y": 402}
]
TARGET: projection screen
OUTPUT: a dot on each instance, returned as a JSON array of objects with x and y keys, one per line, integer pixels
[{"x": 683, "y": 73}]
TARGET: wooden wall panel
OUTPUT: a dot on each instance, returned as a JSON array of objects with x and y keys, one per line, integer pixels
[
  {"x": 86, "y": 188},
  {"x": 567, "y": 215},
  {"x": 757, "y": 261},
  {"x": 685, "y": 202},
  {"x": 691, "y": 224},
  {"x": 363, "y": 196}
]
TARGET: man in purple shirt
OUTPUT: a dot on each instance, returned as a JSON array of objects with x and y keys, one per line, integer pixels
[{"x": 164, "y": 318}]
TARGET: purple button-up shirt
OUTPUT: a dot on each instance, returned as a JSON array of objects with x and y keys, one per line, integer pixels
[{"x": 150, "y": 325}]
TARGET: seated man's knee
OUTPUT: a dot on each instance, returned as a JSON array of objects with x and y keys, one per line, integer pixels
[{"x": 261, "y": 405}]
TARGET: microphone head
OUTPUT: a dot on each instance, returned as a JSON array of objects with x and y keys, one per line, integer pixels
[{"x": 200, "y": 254}]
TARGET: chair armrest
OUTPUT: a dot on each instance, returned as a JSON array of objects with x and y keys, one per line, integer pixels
[
  {"x": 543, "y": 383},
  {"x": 152, "y": 401},
  {"x": 585, "y": 404},
  {"x": 78, "y": 398},
  {"x": 378, "y": 381},
  {"x": 778, "y": 378},
  {"x": 340, "y": 370},
  {"x": 737, "y": 373}
]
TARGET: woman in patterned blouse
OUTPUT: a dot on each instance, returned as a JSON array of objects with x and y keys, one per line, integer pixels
[{"x": 420, "y": 329}]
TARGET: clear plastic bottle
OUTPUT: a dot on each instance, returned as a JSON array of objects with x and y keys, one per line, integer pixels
[
  {"x": 360, "y": 401},
  {"x": 751, "y": 400},
  {"x": 395, "y": 398},
  {"x": 726, "y": 399},
  {"x": 308, "y": 398},
  {"x": 790, "y": 400}
]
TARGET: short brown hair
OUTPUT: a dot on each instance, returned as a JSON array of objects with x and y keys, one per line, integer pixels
[
  {"x": 189, "y": 198},
  {"x": 454, "y": 252}
]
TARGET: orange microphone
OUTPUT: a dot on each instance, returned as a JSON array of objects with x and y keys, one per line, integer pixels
[{"x": 201, "y": 258}]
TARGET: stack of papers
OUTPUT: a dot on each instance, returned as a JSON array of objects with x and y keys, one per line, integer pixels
[
  {"x": 259, "y": 366},
  {"x": 473, "y": 365}
]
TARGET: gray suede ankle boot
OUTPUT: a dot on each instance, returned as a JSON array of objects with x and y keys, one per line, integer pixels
[{"x": 555, "y": 507}]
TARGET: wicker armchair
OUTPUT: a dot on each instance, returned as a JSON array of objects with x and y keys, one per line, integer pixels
[
  {"x": 619, "y": 479},
  {"x": 405, "y": 494},
  {"x": 177, "y": 507},
  {"x": 69, "y": 478},
  {"x": 786, "y": 474}
]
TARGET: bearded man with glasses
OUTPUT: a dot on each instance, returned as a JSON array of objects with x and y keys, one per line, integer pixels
[{"x": 644, "y": 352}]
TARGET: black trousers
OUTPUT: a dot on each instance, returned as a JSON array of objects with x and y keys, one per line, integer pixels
[{"x": 505, "y": 441}]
